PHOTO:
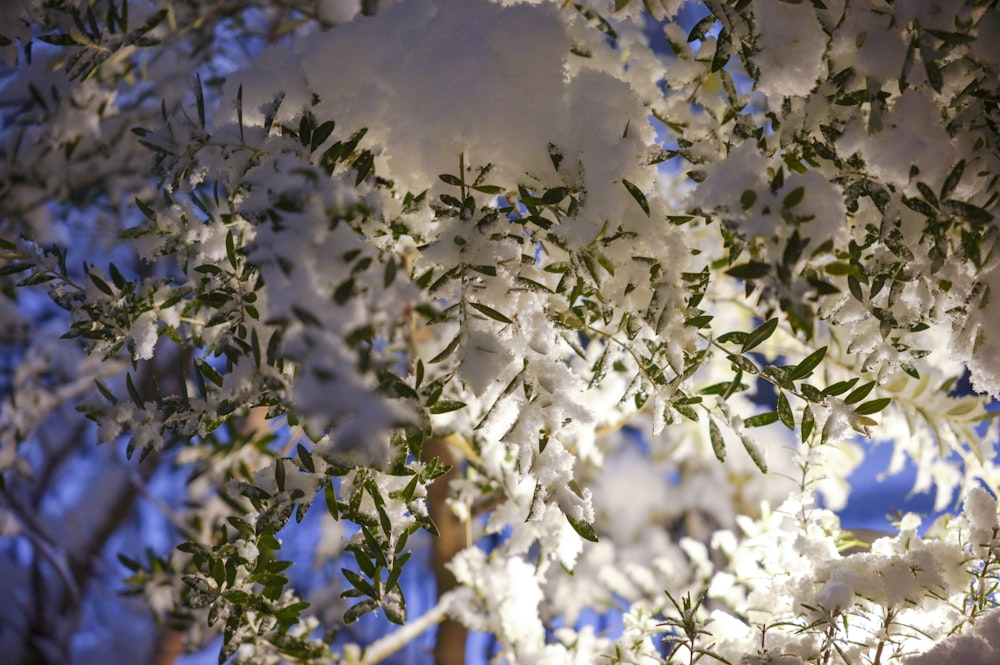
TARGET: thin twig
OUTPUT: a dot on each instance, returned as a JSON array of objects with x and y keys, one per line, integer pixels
[{"x": 393, "y": 642}]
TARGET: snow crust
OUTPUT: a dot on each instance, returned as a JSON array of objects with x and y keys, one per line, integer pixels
[{"x": 792, "y": 44}]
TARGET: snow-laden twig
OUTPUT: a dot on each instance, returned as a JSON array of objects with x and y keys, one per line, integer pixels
[{"x": 390, "y": 644}]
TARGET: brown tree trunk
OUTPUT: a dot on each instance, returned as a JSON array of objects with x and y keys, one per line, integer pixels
[
  {"x": 168, "y": 648},
  {"x": 449, "y": 647}
]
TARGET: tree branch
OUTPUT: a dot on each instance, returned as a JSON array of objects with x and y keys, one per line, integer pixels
[{"x": 390, "y": 644}]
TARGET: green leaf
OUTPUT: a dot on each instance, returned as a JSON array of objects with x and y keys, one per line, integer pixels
[
  {"x": 321, "y": 134},
  {"x": 918, "y": 205},
  {"x": 448, "y": 350},
  {"x": 952, "y": 180},
  {"x": 363, "y": 165},
  {"x": 734, "y": 385},
  {"x": 306, "y": 458},
  {"x": 718, "y": 442},
  {"x": 357, "y": 611},
  {"x": 701, "y": 28},
  {"x": 199, "y": 98},
  {"x": 761, "y": 419},
  {"x": 279, "y": 474},
  {"x": 808, "y": 423},
  {"x": 599, "y": 368},
  {"x": 839, "y": 387},
  {"x": 145, "y": 209},
  {"x": 231, "y": 249},
  {"x": 395, "y": 612},
  {"x": 128, "y": 562},
  {"x": 208, "y": 269},
  {"x": 701, "y": 321},
  {"x": 132, "y": 392},
  {"x": 934, "y": 76},
  {"x": 743, "y": 363},
  {"x": 555, "y": 195},
  {"x": 874, "y": 406},
  {"x": 972, "y": 213},
  {"x": 239, "y": 107},
  {"x": 737, "y": 336},
  {"x": 859, "y": 393},
  {"x": 306, "y": 124},
  {"x": 855, "y": 288},
  {"x": 794, "y": 197},
  {"x": 755, "y": 454},
  {"x": 785, "y": 411},
  {"x": 490, "y": 312},
  {"x": 108, "y": 395},
  {"x": 397, "y": 568},
  {"x": 389, "y": 276},
  {"x": 446, "y": 406},
  {"x": 14, "y": 268},
  {"x": 331, "y": 500},
  {"x": 928, "y": 194},
  {"x": 760, "y": 334},
  {"x": 811, "y": 393},
  {"x": 366, "y": 565},
  {"x": 100, "y": 284},
  {"x": 683, "y": 409},
  {"x": 805, "y": 368},
  {"x": 749, "y": 270},
  {"x": 450, "y": 180},
  {"x": 208, "y": 371},
  {"x": 116, "y": 276},
  {"x": 723, "y": 49},
  {"x": 721, "y": 388},
  {"x": 341, "y": 295},
  {"x": 584, "y": 529},
  {"x": 637, "y": 194}
]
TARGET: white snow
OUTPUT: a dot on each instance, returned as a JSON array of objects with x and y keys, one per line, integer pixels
[{"x": 792, "y": 44}]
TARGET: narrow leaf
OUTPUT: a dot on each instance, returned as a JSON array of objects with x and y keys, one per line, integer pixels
[
  {"x": 874, "y": 406},
  {"x": 760, "y": 334},
  {"x": 808, "y": 423},
  {"x": 785, "y": 412},
  {"x": 952, "y": 180},
  {"x": 231, "y": 249},
  {"x": 199, "y": 98},
  {"x": 331, "y": 500},
  {"x": 749, "y": 270},
  {"x": 794, "y": 197},
  {"x": 132, "y": 392},
  {"x": 584, "y": 529},
  {"x": 448, "y": 350},
  {"x": 490, "y": 312},
  {"x": 859, "y": 393},
  {"x": 761, "y": 419},
  {"x": 446, "y": 406},
  {"x": 701, "y": 28},
  {"x": 359, "y": 610},
  {"x": 306, "y": 458},
  {"x": 718, "y": 442},
  {"x": 754, "y": 451},
  {"x": 637, "y": 194},
  {"x": 239, "y": 109},
  {"x": 805, "y": 368}
]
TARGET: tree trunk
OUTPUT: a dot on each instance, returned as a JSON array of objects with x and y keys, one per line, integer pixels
[{"x": 449, "y": 647}]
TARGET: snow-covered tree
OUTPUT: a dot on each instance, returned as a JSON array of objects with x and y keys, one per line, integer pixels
[{"x": 617, "y": 286}]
